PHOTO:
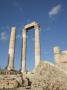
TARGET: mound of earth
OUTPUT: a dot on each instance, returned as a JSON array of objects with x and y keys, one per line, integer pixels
[{"x": 49, "y": 77}]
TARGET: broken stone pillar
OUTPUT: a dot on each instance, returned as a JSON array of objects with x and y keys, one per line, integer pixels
[
  {"x": 11, "y": 49},
  {"x": 23, "y": 69},
  {"x": 64, "y": 56},
  {"x": 37, "y": 45},
  {"x": 57, "y": 55}
]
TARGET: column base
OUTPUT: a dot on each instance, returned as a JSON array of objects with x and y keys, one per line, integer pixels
[
  {"x": 10, "y": 69},
  {"x": 23, "y": 71}
]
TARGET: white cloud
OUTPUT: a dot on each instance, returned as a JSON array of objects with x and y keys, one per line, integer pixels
[
  {"x": 55, "y": 10},
  {"x": 3, "y": 36}
]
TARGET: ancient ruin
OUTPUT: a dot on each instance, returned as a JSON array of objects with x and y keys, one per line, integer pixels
[
  {"x": 37, "y": 44},
  {"x": 57, "y": 55},
  {"x": 47, "y": 76},
  {"x": 11, "y": 49},
  {"x": 60, "y": 58},
  {"x": 27, "y": 27}
]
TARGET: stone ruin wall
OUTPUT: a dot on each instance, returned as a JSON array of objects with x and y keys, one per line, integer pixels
[{"x": 60, "y": 58}]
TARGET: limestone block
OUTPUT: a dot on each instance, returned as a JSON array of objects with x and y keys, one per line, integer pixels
[
  {"x": 56, "y": 50},
  {"x": 64, "y": 56}
]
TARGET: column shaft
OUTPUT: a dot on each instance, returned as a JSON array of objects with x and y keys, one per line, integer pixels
[
  {"x": 23, "y": 69},
  {"x": 37, "y": 47},
  {"x": 11, "y": 49}
]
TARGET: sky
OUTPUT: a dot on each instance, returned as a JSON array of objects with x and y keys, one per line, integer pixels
[{"x": 52, "y": 17}]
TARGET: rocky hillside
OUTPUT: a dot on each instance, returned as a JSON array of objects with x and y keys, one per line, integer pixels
[
  {"x": 46, "y": 77},
  {"x": 49, "y": 77}
]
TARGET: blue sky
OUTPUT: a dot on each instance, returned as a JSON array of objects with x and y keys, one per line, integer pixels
[{"x": 50, "y": 14}]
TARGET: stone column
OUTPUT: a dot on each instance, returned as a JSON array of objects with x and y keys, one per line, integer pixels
[
  {"x": 11, "y": 49},
  {"x": 57, "y": 55},
  {"x": 37, "y": 45},
  {"x": 23, "y": 68}
]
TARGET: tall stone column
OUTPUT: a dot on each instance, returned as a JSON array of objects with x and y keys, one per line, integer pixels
[
  {"x": 37, "y": 45},
  {"x": 11, "y": 49},
  {"x": 23, "y": 68}
]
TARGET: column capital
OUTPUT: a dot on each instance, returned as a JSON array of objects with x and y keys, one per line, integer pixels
[
  {"x": 24, "y": 33},
  {"x": 37, "y": 27}
]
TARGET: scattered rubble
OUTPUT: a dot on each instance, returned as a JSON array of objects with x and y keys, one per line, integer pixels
[{"x": 47, "y": 76}]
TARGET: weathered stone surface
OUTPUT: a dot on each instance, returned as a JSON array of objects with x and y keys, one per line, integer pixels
[
  {"x": 5, "y": 84},
  {"x": 46, "y": 77},
  {"x": 62, "y": 66},
  {"x": 10, "y": 81},
  {"x": 49, "y": 77},
  {"x": 11, "y": 49},
  {"x": 60, "y": 56},
  {"x": 14, "y": 82}
]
